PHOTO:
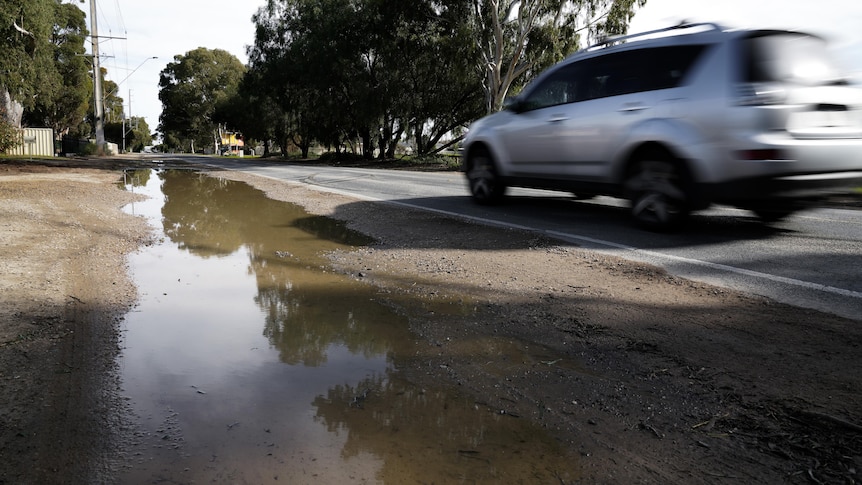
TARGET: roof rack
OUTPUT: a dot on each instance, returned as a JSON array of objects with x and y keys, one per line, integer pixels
[{"x": 680, "y": 26}]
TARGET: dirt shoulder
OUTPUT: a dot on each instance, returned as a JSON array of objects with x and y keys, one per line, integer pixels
[
  {"x": 651, "y": 378},
  {"x": 63, "y": 289}
]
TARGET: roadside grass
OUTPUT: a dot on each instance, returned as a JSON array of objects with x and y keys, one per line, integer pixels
[{"x": 25, "y": 158}]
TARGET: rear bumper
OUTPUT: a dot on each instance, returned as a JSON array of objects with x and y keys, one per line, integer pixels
[{"x": 813, "y": 186}]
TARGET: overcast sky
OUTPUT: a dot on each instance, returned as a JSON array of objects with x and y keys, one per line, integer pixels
[{"x": 165, "y": 29}]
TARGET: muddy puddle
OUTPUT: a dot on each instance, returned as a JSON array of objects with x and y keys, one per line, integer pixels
[{"x": 248, "y": 360}]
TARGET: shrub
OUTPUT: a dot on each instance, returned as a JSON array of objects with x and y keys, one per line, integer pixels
[
  {"x": 332, "y": 157},
  {"x": 443, "y": 161},
  {"x": 89, "y": 149},
  {"x": 10, "y": 137}
]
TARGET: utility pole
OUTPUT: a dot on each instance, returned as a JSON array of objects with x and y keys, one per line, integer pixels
[
  {"x": 124, "y": 121},
  {"x": 130, "y": 121},
  {"x": 99, "y": 111}
]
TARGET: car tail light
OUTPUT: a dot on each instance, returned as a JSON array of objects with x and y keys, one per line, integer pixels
[
  {"x": 760, "y": 94},
  {"x": 761, "y": 154}
]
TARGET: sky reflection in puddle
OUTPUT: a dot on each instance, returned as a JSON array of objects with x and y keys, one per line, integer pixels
[{"x": 247, "y": 361}]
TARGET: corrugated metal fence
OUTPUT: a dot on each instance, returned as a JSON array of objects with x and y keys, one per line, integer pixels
[{"x": 35, "y": 142}]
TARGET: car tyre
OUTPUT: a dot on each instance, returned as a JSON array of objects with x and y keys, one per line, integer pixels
[
  {"x": 656, "y": 188},
  {"x": 486, "y": 187},
  {"x": 772, "y": 213}
]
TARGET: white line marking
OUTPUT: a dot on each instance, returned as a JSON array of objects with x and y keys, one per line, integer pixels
[{"x": 723, "y": 267}]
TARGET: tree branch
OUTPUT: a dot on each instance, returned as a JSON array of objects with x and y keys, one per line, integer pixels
[{"x": 20, "y": 29}]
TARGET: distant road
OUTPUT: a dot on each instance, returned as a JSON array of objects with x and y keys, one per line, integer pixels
[{"x": 812, "y": 260}]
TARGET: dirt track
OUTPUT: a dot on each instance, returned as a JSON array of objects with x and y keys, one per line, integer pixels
[{"x": 650, "y": 378}]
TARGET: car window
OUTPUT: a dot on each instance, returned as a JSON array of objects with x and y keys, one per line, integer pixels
[
  {"x": 638, "y": 70},
  {"x": 670, "y": 65},
  {"x": 613, "y": 75},
  {"x": 560, "y": 87}
]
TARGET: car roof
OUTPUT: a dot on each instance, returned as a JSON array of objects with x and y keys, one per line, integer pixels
[
  {"x": 680, "y": 34},
  {"x": 682, "y": 30}
]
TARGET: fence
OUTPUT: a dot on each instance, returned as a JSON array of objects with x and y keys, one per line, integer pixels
[{"x": 38, "y": 142}]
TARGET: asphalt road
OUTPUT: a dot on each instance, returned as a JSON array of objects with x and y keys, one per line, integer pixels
[{"x": 812, "y": 260}]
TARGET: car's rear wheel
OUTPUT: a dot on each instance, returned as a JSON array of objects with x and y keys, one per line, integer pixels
[
  {"x": 656, "y": 188},
  {"x": 486, "y": 187}
]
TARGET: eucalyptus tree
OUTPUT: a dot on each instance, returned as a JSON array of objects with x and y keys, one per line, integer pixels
[
  {"x": 442, "y": 92},
  {"x": 288, "y": 80},
  {"x": 255, "y": 113},
  {"x": 67, "y": 89},
  {"x": 190, "y": 89},
  {"x": 300, "y": 62},
  {"x": 370, "y": 70},
  {"x": 516, "y": 37},
  {"x": 112, "y": 103},
  {"x": 136, "y": 132},
  {"x": 44, "y": 77},
  {"x": 25, "y": 28},
  {"x": 422, "y": 71}
]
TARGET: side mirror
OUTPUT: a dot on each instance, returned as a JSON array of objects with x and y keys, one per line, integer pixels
[{"x": 513, "y": 103}]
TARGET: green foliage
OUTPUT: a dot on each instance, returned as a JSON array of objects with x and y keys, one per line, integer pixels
[
  {"x": 42, "y": 66},
  {"x": 518, "y": 39},
  {"x": 365, "y": 72},
  {"x": 137, "y": 134},
  {"x": 617, "y": 20},
  {"x": 9, "y": 136},
  {"x": 191, "y": 89},
  {"x": 112, "y": 102},
  {"x": 89, "y": 150},
  {"x": 64, "y": 104},
  {"x": 27, "y": 61},
  {"x": 447, "y": 162}
]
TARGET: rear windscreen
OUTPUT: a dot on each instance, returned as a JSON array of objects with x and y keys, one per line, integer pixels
[{"x": 788, "y": 57}]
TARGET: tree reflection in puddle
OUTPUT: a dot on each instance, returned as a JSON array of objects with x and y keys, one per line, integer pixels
[{"x": 249, "y": 361}]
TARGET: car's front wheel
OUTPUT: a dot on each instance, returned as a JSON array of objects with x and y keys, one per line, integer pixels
[
  {"x": 486, "y": 187},
  {"x": 656, "y": 189}
]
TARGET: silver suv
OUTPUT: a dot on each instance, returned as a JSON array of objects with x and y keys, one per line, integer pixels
[{"x": 677, "y": 119}]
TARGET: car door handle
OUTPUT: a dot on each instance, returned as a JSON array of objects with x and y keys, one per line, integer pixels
[
  {"x": 557, "y": 119},
  {"x": 632, "y": 107}
]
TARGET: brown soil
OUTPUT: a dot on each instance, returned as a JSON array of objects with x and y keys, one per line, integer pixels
[
  {"x": 651, "y": 378},
  {"x": 63, "y": 289}
]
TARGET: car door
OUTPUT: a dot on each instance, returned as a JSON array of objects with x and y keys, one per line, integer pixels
[
  {"x": 531, "y": 138},
  {"x": 622, "y": 91},
  {"x": 612, "y": 100}
]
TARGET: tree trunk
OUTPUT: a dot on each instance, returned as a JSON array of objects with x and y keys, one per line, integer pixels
[
  {"x": 367, "y": 144},
  {"x": 11, "y": 110},
  {"x": 393, "y": 144}
]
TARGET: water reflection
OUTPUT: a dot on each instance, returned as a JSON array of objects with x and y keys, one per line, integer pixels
[
  {"x": 249, "y": 361},
  {"x": 438, "y": 436}
]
